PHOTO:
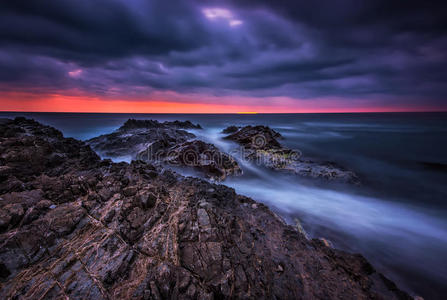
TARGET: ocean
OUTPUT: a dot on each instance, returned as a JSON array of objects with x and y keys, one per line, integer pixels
[{"x": 397, "y": 217}]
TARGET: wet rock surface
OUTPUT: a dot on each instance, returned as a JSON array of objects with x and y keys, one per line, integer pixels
[
  {"x": 77, "y": 227},
  {"x": 261, "y": 145},
  {"x": 196, "y": 154},
  {"x": 166, "y": 143},
  {"x": 136, "y": 135}
]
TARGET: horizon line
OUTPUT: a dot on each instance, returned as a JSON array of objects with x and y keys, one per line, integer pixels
[{"x": 228, "y": 113}]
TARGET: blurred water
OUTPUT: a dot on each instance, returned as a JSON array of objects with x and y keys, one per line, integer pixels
[{"x": 397, "y": 218}]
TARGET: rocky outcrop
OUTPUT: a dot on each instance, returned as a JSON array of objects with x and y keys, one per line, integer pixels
[
  {"x": 196, "y": 154},
  {"x": 136, "y": 135},
  {"x": 255, "y": 137},
  {"x": 133, "y": 124},
  {"x": 76, "y": 227},
  {"x": 261, "y": 145},
  {"x": 230, "y": 129},
  {"x": 165, "y": 143}
]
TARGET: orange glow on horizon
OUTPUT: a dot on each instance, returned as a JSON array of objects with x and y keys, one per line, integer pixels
[{"x": 28, "y": 102}]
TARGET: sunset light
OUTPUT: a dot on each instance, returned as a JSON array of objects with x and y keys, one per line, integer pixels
[{"x": 237, "y": 149}]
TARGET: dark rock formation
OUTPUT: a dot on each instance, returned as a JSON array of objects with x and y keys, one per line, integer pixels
[
  {"x": 136, "y": 135},
  {"x": 202, "y": 156},
  {"x": 133, "y": 124},
  {"x": 260, "y": 144},
  {"x": 230, "y": 129},
  {"x": 76, "y": 227},
  {"x": 156, "y": 142},
  {"x": 255, "y": 137}
]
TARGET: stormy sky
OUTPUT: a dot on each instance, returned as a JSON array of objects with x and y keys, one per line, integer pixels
[{"x": 277, "y": 55}]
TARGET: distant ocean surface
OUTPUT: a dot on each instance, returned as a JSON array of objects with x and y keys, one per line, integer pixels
[{"x": 397, "y": 218}]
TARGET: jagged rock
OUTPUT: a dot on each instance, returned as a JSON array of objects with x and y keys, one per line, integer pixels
[
  {"x": 256, "y": 137},
  {"x": 299, "y": 227},
  {"x": 147, "y": 199},
  {"x": 130, "y": 191},
  {"x": 10, "y": 215},
  {"x": 192, "y": 240},
  {"x": 133, "y": 124},
  {"x": 199, "y": 155},
  {"x": 137, "y": 135},
  {"x": 326, "y": 242},
  {"x": 260, "y": 145},
  {"x": 44, "y": 204},
  {"x": 165, "y": 143},
  {"x": 230, "y": 129}
]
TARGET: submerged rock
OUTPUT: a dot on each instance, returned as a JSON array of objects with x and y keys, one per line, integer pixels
[
  {"x": 152, "y": 237},
  {"x": 261, "y": 145}
]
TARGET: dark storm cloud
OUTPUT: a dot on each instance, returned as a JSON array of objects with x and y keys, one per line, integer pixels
[
  {"x": 305, "y": 49},
  {"x": 100, "y": 29},
  {"x": 331, "y": 16}
]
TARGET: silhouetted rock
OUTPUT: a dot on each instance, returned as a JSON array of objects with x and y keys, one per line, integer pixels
[
  {"x": 103, "y": 230},
  {"x": 133, "y": 124}
]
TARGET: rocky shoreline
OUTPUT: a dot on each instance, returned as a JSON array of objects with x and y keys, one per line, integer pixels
[{"x": 73, "y": 226}]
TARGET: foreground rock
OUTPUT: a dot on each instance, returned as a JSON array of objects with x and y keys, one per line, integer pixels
[
  {"x": 76, "y": 227},
  {"x": 166, "y": 143},
  {"x": 260, "y": 144}
]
